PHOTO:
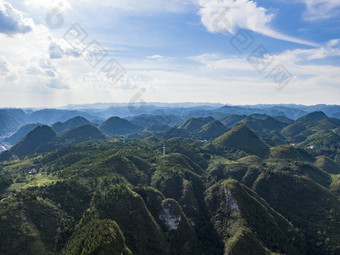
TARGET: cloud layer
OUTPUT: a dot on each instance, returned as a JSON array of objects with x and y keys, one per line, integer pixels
[{"x": 39, "y": 68}]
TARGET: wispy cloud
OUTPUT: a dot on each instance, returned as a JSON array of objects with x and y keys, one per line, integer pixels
[
  {"x": 156, "y": 57},
  {"x": 214, "y": 61},
  {"x": 321, "y": 9},
  {"x": 144, "y": 6},
  {"x": 309, "y": 75},
  {"x": 48, "y": 5},
  {"x": 227, "y": 16},
  {"x": 296, "y": 56},
  {"x": 329, "y": 49}
]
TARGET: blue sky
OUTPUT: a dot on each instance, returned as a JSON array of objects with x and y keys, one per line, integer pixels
[{"x": 226, "y": 51}]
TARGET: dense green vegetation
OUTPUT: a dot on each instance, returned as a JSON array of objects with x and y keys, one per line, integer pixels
[
  {"x": 241, "y": 138},
  {"x": 86, "y": 240},
  {"x": 211, "y": 130},
  {"x": 81, "y": 192}
]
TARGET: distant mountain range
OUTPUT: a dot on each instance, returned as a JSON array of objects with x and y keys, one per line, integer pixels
[{"x": 11, "y": 120}]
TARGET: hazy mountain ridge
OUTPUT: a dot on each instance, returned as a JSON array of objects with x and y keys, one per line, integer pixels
[
  {"x": 314, "y": 131},
  {"x": 62, "y": 127},
  {"x": 12, "y": 119}
]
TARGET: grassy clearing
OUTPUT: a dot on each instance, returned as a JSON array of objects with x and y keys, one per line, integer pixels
[{"x": 40, "y": 179}]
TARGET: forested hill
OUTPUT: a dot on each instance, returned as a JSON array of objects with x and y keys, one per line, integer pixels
[{"x": 252, "y": 184}]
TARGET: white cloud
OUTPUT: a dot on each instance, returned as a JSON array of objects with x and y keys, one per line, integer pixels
[
  {"x": 321, "y": 9},
  {"x": 227, "y": 16},
  {"x": 12, "y": 21},
  {"x": 155, "y": 57},
  {"x": 34, "y": 60},
  {"x": 59, "y": 48}
]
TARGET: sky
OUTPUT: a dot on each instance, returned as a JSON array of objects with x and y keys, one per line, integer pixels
[{"x": 59, "y": 52}]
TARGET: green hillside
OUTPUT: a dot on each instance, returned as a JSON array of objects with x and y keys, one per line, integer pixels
[
  {"x": 314, "y": 116},
  {"x": 263, "y": 123},
  {"x": 174, "y": 132},
  {"x": 241, "y": 138},
  {"x": 21, "y": 133},
  {"x": 232, "y": 120},
  {"x": 288, "y": 152},
  {"x": 310, "y": 207},
  {"x": 118, "y": 126},
  {"x": 34, "y": 142},
  {"x": 323, "y": 142},
  {"x": 62, "y": 127},
  {"x": 211, "y": 130},
  {"x": 82, "y": 192},
  {"x": 327, "y": 165},
  {"x": 248, "y": 224},
  {"x": 86, "y": 132},
  {"x": 308, "y": 125},
  {"x": 194, "y": 124},
  {"x": 97, "y": 237}
]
